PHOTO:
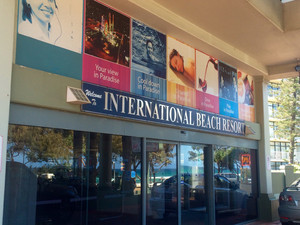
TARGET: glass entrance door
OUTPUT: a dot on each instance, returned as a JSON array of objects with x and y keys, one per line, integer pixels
[
  {"x": 161, "y": 183},
  {"x": 193, "y": 202}
]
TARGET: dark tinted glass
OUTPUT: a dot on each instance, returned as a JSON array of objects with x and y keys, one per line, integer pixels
[
  {"x": 56, "y": 176},
  {"x": 234, "y": 185}
]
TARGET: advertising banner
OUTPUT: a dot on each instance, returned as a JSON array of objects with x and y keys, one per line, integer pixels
[
  {"x": 103, "y": 72},
  {"x": 50, "y": 36},
  {"x": 148, "y": 85},
  {"x": 181, "y": 73},
  {"x": 246, "y": 97},
  {"x": 228, "y": 108},
  {"x": 246, "y": 112},
  {"x": 181, "y": 63},
  {"x": 148, "y": 67},
  {"x": 228, "y": 91},
  {"x": 207, "y": 102},
  {"x": 106, "y": 56},
  {"x": 92, "y": 42},
  {"x": 207, "y": 83},
  {"x": 181, "y": 95},
  {"x": 148, "y": 50},
  {"x": 58, "y": 23},
  {"x": 122, "y": 104}
]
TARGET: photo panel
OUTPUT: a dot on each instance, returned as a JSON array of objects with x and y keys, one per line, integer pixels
[
  {"x": 207, "y": 74},
  {"x": 227, "y": 82},
  {"x": 106, "y": 57},
  {"x": 180, "y": 63},
  {"x": 57, "y": 22},
  {"x": 207, "y": 83},
  {"x": 228, "y": 91},
  {"x": 107, "y": 33},
  {"x": 148, "y": 50},
  {"x": 245, "y": 88},
  {"x": 246, "y": 96}
]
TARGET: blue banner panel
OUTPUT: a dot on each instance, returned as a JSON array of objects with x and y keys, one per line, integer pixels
[
  {"x": 122, "y": 104},
  {"x": 148, "y": 85},
  {"x": 46, "y": 57},
  {"x": 229, "y": 108}
]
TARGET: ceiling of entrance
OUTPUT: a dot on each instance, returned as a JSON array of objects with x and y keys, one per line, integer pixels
[{"x": 260, "y": 37}]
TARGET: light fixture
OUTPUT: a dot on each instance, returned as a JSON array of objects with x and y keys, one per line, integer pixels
[
  {"x": 286, "y": 1},
  {"x": 76, "y": 96}
]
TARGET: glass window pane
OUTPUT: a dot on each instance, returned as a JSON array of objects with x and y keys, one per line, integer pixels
[
  {"x": 117, "y": 196},
  {"x": 162, "y": 191},
  {"x": 51, "y": 182},
  {"x": 72, "y": 177},
  {"x": 233, "y": 185},
  {"x": 193, "y": 198}
]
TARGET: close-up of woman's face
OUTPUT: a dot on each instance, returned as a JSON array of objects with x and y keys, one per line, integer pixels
[
  {"x": 177, "y": 63},
  {"x": 42, "y": 9}
]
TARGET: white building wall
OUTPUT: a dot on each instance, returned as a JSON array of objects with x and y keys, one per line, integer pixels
[{"x": 7, "y": 18}]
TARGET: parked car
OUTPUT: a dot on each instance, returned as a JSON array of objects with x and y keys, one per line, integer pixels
[
  {"x": 231, "y": 176},
  {"x": 289, "y": 204},
  {"x": 228, "y": 196}
]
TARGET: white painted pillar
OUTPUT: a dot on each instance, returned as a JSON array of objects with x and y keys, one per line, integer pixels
[
  {"x": 267, "y": 203},
  {"x": 262, "y": 117},
  {"x": 7, "y": 22}
]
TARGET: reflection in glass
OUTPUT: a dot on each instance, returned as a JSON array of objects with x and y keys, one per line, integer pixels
[
  {"x": 118, "y": 181},
  {"x": 162, "y": 206},
  {"x": 59, "y": 177},
  {"x": 233, "y": 185},
  {"x": 193, "y": 208}
]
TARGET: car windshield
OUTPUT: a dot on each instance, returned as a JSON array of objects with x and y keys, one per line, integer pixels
[
  {"x": 296, "y": 183},
  {"x": 230, "y": 175}
]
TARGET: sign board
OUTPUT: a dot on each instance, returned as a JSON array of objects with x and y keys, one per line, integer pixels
[
  {"x": 122, "y": 104},
  {"x": 245, "y": 159}
]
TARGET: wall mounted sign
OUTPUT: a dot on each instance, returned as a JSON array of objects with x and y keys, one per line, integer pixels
[
  {"x": 122, "y": 104},
  {"x": 92, "y": 42}
]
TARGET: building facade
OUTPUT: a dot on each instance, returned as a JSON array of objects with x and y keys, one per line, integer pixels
[
  {"x": 106, "y": 120},
  {"x": 279, "y": 147}
]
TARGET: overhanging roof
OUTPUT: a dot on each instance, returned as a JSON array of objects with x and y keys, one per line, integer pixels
[{"x": 260, "y": 37}]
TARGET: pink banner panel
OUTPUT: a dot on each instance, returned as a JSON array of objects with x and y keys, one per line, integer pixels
[
  {"x": 207, "y": 102},
  {"x": 105, "y": 73}
]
